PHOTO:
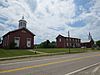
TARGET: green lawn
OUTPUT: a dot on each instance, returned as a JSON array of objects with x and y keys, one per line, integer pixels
[
  {"x": 58, "y": 50},
  {"x": 18, "y": 52},
  {"x": 10, "y": 53}
]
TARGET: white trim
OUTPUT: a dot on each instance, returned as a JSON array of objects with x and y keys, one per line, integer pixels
[
  {"x": 17, "y": 42},
  {"x": 28, "y": 42}
]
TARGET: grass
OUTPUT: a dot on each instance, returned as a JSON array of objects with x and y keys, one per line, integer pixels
[
  {"x": 10, "y": 53},
  {"x": 72, "y": 50},
  {"x": 58, "y": 50},
  {"x": 15, "y": 52}
]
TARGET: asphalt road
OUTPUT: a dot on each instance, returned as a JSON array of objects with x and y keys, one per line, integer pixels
[
  {"x": 95, "y": 70},
  {"x": 49, "y": 65}
]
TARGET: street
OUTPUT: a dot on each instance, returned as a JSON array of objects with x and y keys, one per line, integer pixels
[
  {"x": 95, "y": 70},
  {"x": 50, "y": 65}
]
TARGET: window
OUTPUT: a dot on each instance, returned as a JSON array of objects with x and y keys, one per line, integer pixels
[
  {"x": 28, "y": 42},
  {"x": 28, "y": 39},
  {"x": 23, "y": 31},
  {"x": 75, "y": 40},
  {"x": 67, "y": 44},
  {"x": 17, "y": 41},
  {"x": 78, "y": 40},
  {"x": 59, "y": 39},
  {"x": 70, "y": 44},
  {"x": 16, "y": 38}
]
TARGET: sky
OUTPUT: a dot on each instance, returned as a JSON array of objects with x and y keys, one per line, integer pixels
[{"x": 49, "y": 18}]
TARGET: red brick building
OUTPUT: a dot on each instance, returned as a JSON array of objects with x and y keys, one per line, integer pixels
[
  {"x": 66, "y": 42},
  {"x": 22, "y": 37},
  {"x": 88, "y": 44}
]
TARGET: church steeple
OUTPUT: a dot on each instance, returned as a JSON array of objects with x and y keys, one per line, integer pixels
[
  {"x": 22, "y": 23},
  {"x": 23, "y": 17}
]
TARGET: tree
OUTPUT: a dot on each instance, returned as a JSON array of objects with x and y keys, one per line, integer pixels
[
  {"x": 45, "y": 44},
  {"x": 98, "y": 43},
  {"x": 53, "y": 44}
]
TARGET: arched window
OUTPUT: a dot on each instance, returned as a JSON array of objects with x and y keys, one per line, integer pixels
[{"x": 59, "y": 39}]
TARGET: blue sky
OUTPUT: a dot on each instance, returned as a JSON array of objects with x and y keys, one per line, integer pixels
[{"x": 49, "y": 18}]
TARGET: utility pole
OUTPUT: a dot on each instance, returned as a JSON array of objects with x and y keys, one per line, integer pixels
[{"x": 69, "y": 41}]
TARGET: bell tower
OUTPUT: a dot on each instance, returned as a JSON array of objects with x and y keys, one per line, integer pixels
[{"x": 22, "y": 23}]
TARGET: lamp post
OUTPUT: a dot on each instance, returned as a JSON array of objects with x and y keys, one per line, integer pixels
[{"x": 69, "y": 41}]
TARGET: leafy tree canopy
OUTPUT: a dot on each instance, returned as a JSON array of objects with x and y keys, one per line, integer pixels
[
  {"x": 47, "y": 44},
  {"x": 98, "y": 43}
]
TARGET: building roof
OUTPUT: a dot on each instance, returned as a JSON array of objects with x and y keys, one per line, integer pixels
[
  {"x": 85, "y": 41},
  {"x": 65, "y": 37},
  {"x": 88, "y": 41},
  {"x": 18, "y": 30}
]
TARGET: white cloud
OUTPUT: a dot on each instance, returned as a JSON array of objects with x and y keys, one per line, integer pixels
[{"x": 48, "y": 18}]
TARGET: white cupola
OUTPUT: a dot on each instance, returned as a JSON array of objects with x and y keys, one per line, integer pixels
[{"x": 22, "y": 23}]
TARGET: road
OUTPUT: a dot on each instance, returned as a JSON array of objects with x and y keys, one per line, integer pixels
[
  {"x": 95, "y": 70},
  {"x": 49, "y": 65}
]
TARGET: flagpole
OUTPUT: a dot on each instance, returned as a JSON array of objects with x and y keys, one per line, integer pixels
[{"x": 69, "y": 41}]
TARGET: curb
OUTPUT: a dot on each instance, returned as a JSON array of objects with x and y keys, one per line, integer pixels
[{"x": 27, "y": 56}]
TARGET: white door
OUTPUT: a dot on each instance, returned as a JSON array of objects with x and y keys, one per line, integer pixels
[
  {"x": 17, "y": 41},
  {"x": 28, "y": 42}
]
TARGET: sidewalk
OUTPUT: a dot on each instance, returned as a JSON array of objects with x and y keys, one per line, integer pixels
[{"x": 38, "y": 52}]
